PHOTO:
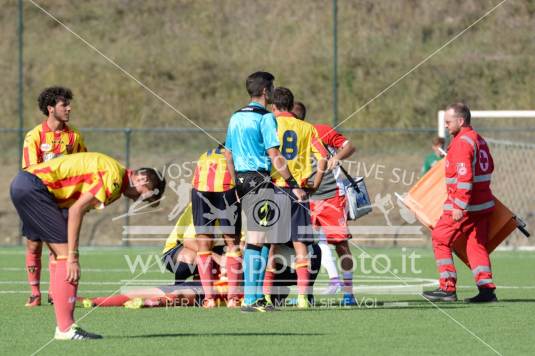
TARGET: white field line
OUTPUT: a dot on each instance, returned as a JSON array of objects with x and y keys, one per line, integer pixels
[
  {"x": 102, "y": 270},
  {"x": 372, "y": 279},
  {"x": 79, "y": 292}
]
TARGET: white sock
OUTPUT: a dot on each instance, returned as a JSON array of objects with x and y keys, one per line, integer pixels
[{"x": 327, "y": 260}]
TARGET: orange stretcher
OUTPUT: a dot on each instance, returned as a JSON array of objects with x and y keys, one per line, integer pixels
[{"x": 426, "y": 198}]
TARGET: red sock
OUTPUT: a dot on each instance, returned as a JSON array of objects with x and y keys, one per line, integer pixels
[
  {"x": 33, "y": 269},
  {"x": 233, "y": 274},
  {"x": 205, "y": 266},
  {"x": 111, "y": 301},
  {"x": 64, "y": 297},
  {"x": 52, "y": 273},
  {"x": 269, "y": 278},
  {"x": 303, "y": 276}
]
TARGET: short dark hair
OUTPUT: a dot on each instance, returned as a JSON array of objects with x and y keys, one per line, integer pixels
[
  {"x": 53, "y": 95},
  {"x": 299, "y": 110},
  {"x": 461, "y": 110},
  {"x": 156, "y": 182},
  {"x": 283, "y": 99},
  {"x": 438, "y": 141},
  {"x": 257, "y": 82}
]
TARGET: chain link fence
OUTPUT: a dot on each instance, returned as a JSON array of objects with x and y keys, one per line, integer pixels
[{"x": 389, "y": 159}]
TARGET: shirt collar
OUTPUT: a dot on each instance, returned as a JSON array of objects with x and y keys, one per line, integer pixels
[
  {"x": 47, "y": 128},
  {"x": 254, "y": 103},
  {"x": 467, "y": 128},
  {"x": 286, "y": 114},
  {"x": 464, "y": 130}
]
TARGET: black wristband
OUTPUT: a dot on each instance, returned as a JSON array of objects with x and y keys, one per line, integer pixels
[{"x": 292, "y": 183}]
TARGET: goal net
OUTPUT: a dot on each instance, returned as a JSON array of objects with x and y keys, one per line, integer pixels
[{"x": 511, "y": 139}]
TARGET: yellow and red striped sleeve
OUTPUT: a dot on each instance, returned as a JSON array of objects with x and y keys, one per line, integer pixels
[
  {"x": 30, "y": 150},
  {"x": 78, "y": 141}
]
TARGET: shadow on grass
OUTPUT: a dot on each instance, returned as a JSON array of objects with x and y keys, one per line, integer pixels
[
  {"x": 205, "y": 334},
  {"x": 379, "y": 305},
  {"x": 347, "y": 309},
  {"x": 514, "y": 301}
]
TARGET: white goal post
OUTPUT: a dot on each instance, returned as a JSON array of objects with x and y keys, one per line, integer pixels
[{"x": 487, "y": 114}]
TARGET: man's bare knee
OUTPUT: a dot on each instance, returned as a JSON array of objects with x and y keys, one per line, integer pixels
[{"x": 34, "y": 246}]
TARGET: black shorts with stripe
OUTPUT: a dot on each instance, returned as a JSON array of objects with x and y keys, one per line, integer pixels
[{"x": 209, "y": 207}]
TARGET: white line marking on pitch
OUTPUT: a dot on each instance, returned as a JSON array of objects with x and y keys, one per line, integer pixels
[
  {"x": 102, "y": 270},
  {"x": 82, "y": 283},
  {"x": 80, "y": 292}
]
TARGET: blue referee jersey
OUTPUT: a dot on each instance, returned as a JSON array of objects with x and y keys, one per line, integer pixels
[{"x": 249, "y": 136}]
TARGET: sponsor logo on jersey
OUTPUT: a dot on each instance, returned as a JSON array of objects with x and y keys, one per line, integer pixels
[{"x": 45, "y": 147}]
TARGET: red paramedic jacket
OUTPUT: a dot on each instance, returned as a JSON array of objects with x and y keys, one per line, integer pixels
[{"x": 469, "y": 168}]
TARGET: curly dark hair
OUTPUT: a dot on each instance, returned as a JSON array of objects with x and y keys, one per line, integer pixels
[{"x": 53, "y": 95}]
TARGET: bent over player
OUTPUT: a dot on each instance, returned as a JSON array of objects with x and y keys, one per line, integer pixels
[
  {"x": 78, "y": 182},
  {"x": 51, "y": 138}
]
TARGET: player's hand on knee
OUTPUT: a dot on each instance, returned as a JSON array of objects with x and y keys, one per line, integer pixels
[{"x": 73, "y": 271}]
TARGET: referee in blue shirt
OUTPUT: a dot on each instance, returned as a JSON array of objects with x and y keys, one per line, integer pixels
[{"x": 252, "y": 146}]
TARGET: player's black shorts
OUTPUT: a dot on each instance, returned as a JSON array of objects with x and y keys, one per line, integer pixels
[
  {"x": 209, "y": 207},
  {"x": 182, "y": 270},
  {"x": 250, "y": 182},
  {"x": 42, "y": 219},
  {"x": 301, "y": 224}
]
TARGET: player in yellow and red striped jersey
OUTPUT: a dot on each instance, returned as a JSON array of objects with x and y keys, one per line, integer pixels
[
  {"x": 301, "y": 147},
  {"x": 51, "y": 138},
  {"x": 46, "y": 141},
  {"x": 79, "y": 182},
  {"x": 214, "y": 199}
]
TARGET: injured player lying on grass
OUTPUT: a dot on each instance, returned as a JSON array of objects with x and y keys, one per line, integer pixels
[
  {"x": 180, "y": 258},
  {"x": 187, "y": 289}
]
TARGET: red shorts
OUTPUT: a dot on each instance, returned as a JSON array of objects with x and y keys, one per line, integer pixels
[{"x": 330, "y": 216}]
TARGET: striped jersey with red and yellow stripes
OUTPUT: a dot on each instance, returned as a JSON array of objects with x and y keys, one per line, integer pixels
[
  {"x": 69, "y": 176},
  {"x": 42, "y": 144},
  {"x": 300, "y": 146},
  {"x": 211, "y": 173}
]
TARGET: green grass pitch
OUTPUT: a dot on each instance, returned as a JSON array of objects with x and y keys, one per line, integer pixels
[{"x": 414, "y": 327}]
